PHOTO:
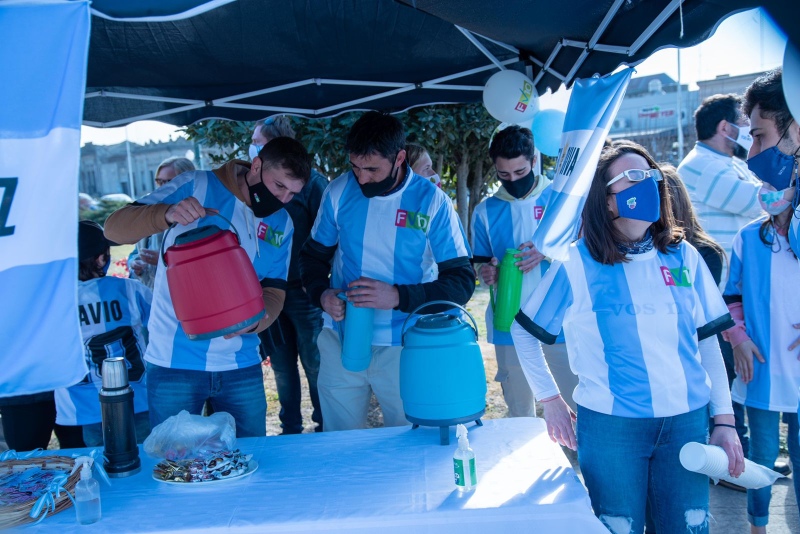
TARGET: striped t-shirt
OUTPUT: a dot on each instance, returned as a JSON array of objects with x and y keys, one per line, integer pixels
[
  {"x": 765, "y": 280},
  {"x": 112, "y": 313},
  {"x": 723, "y": 191},
  {"x": 632, "y": 329},
  {"x": 397, "y": 239},
  {"x": 266, "y": 241},
  {"x": 501, "y": 222}
]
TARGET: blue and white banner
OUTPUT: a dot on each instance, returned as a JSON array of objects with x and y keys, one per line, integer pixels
[
  {"x": 592, "y": 107},
  {"x": 43, "y": 54}
]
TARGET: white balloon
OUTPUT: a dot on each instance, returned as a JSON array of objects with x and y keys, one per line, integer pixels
[
  {"x": 791, "y": 78},
  {"x": 509, "y": 96}
]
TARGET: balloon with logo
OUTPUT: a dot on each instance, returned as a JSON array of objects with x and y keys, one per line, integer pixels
[
  {"x": 791, "y": 78},
  {"x": 548, "y": 125},
  {"x": 509, "y": 96}
]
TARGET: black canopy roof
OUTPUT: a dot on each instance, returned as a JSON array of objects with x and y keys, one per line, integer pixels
[{"x": 180, "y": 61}]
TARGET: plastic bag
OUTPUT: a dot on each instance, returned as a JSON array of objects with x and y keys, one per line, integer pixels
[{"x": 186, "y": 435}]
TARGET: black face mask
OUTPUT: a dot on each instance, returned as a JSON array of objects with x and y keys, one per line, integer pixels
[
  {"x": 373, "y": 189},
  {"x": 262, "y": 201},
  {"x": 519, "y": 188}
]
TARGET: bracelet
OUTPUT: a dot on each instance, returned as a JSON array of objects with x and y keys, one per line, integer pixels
[{"x": 722, "y": 424}]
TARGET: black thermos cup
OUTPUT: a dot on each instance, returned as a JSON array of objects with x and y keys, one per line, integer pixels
[{"x": 119, "y": 429}]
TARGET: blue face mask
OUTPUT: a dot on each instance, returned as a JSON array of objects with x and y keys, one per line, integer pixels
[
  {"x": 773, "y": 166},
  {"x": 641, "y": 202},
  {"x": 107, "y": 265}
]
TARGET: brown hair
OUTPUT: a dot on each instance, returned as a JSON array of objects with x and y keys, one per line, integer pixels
[
  {"x": 414, "y": 152},
  {"x": 88, "y": 268},
  {"x": 684, "y": 213},
  {"x": 599, "y": 233}
]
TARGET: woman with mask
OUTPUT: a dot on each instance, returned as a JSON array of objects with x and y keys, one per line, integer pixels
[
  {"x": 421, "y": 163},
  {"x": 639, "y": 311},
  {"x": 764, "y": 267}
]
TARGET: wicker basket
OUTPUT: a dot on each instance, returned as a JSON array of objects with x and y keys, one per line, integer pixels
[{"x": 19, "y": 514}]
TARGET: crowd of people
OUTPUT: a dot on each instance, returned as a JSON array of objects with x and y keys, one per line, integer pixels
[{"x": 673, "y": 320}]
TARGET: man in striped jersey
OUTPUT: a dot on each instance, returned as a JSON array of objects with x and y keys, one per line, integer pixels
[
  {"x": 723, "y": 191},
  {"x": 379, "y": 233},
  {"x": 182, "y": 374}
]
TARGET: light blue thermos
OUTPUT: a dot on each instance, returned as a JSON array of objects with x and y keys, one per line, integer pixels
[
  {"x": 357, "y": 336},
  {"x": 442, "y": 378}
]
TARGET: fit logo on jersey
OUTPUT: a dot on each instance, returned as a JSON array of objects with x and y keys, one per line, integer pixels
[
  {"x": 632, "y": 203},
  {"x": 676, "y": 277},
  {"x": 538, "y": 211},
  {"x": 269, "y": 235},
  {"x": 413, "y": 220}
]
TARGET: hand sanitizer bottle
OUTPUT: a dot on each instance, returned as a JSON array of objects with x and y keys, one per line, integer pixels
[
  {"x": 464, "y": 462},
  {"x": 87, "y": 496}
]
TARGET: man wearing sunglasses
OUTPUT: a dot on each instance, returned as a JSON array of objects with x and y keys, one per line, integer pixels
[{"x": 723, "y": 191}]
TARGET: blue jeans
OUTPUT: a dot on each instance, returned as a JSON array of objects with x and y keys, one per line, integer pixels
[
  {"x": 628, "y": 463},
  {"x": 301, "y": 323},
  {"x": 764, "y": 451},
  {"x": 240, "y": 392}
]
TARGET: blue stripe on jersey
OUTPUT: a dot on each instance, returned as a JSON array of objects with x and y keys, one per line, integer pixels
[
  {"x": 750, "y": 277},
  {"x": 794, "y": 230},
  {"x": 628, "y": 380},
  {"x": 351, "y": 219},
  {"x": 685, "y": 302},
  {"x": 501, "y": 225}
]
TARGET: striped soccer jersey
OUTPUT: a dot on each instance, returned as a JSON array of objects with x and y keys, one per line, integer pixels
[
  {"x": 765, "y": 283},
  {"x": 723, "y": 191},
  {"x": 112, "y": 312},
  {"x": 397, "y": 239},
  {"x": 266, "y": 241},
  {"x": 794, "y": 230},
  {"x": 501, "y": 222},
  {"x": 632, "y": 329}
]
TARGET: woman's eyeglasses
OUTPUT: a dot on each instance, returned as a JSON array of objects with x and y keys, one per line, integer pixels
[{"x": 637, "y": 175}]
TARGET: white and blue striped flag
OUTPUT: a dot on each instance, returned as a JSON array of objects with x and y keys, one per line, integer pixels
[
  {"x": 592, "y": 107},
  {"x": 43, "y": 55}
]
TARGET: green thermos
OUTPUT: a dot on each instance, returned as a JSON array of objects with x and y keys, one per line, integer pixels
[{"x": 509, "y": 292}]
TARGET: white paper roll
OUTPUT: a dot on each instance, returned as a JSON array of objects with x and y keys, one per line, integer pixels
[{"x": 712, "y": 461}]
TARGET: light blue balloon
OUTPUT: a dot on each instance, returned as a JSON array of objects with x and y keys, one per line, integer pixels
[{"x": 547, "y": 127}]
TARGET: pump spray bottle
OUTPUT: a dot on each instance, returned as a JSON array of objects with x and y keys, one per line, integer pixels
[
  {"x": 464, "y": 462},
  {"x": 87, "y": 493}
]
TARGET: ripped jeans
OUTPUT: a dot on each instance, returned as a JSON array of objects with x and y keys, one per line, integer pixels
[{"x": 628, "y": 463}]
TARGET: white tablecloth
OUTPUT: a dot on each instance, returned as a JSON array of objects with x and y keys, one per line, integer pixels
[{"x": 381, "y": 480}]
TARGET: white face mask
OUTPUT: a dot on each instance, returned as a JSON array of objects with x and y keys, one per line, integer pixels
[
  {"x": 435, "y": 180},
  {"x": 772, "y": 201},
  {"x": 254, "y": 150},
  {"x": 744, "y": 139}
]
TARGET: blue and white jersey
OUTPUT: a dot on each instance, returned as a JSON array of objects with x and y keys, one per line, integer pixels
[
  {"x": 766, "y": 282},
  {"x": 266, "y": 241},
  {"x": 632, "y": 329},
  {"x": 499, "y": 223},
  {"x": 398, "y": 239},
  {"x": 113, "y": 313},
  {"x": 794, "y": 231}
]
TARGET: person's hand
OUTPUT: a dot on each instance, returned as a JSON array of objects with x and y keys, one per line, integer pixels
[
  {"x": 370, "y": 293},
  {"x": 726, "y": 437},
  {"x": 529, "y": 258},
  {"x": 488, "y": 272},
  {"x": 245, "y": 330},
  {"x": 332, "y": 305},
  {"x": 796, "y": 342},
  {"x": 743, "y": 359},
  {"x": 559, "y": 418},
  {"x": 137, "y": 266},
  {"x": 187, "y": 211},
  {"x": 149, "y": 256}
]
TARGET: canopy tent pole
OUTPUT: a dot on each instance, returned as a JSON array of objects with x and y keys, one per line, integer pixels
[
  {"x": 479, "y": 46},
  {"x": 596, "y": 37},
  {"x": 654, "y": 26}
]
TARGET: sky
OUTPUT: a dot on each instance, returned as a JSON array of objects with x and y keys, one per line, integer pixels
[{"x": 743, "y": 43}]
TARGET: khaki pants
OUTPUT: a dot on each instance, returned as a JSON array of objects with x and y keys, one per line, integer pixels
[
  {"x": 516, "y": 391},
  {"x": 344, "y": 395}
]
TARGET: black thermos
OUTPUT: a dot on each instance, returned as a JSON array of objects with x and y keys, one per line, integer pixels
[{"x": 119, "y": 429}]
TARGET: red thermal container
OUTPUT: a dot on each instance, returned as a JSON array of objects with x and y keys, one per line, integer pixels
[{"x": 214, "y": 288}]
